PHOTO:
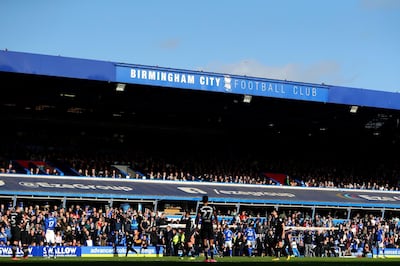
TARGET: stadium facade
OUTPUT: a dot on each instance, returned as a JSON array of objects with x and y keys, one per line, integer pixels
[{"x": 120, "y": 75}]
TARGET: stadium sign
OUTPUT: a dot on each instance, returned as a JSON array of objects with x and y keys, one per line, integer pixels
[
  {"x": 139, "y": 189},
  {"x": 193, "y": 190},
  {"x": 6, "y": 251},
  {"x": 82, "y": 251},
  {"x": 41, "y": 251},
  {"x": 214, "y": 82},
  {"x": 119, "y": 251},
  {"x": 73, "y": 186}
]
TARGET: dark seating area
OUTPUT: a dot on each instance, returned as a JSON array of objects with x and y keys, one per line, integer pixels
[{"x": 207, "y": 167}]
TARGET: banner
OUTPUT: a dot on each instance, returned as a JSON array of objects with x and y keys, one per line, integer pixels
[
  {"x": 5, "y": 251},
  {"x": 96, "y": 251},
  {"x": 389, "y": 252},
  {"x": 40, "y": 251},
  {"x": 110, "y": 188},
  {"x": 120, "y": 251},
  {"x": 213, "y": 82}
]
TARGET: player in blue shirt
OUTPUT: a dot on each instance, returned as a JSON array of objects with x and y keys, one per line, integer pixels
[
  {"x": 250, "y": 236},
  {"x": 228, "y": 237},
  {"x": 50, "y": 224},
  {"x": 380, "y": 240}
]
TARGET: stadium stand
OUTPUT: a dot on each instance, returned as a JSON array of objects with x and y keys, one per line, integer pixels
[{"x": 70, "y": 123}]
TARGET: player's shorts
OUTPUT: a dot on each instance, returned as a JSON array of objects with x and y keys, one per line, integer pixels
[
  {"x": 381, "y": 245},
  {"x": 15, "y": 234},
  {"x": 50, "y": 237},
  {"x": 24, "y": 238},
  {"x": 207, "y": 231},
  {"x": 228, "y": 244},
  {"x": 251, "y": 243},
  {"x": 278, "y": 238}
]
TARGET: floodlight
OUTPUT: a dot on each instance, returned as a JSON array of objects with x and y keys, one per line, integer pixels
[
  {"x": 354, "y": 109},
  {"x": 120, "y": 87},
  {"x": 247, "y": 98}
]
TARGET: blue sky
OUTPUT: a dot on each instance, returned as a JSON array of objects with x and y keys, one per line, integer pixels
[{"x": 351, "y": 43}]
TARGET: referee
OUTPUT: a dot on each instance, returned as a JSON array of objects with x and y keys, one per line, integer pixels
[{"x": 279, "y": 235}]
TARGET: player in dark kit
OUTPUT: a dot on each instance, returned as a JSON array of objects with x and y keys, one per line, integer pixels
[
  {"x": 279, "y": 234},
  {"x": 188, "y": 245},
  {"x": 16, "y": 222},
  {"x": 207, "y": 215},
  {"x": 130, "y": 241},
  {"x": 25, "y": 229}
]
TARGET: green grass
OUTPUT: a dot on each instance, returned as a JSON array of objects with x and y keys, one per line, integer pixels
[{"x": 171, "y": 261}]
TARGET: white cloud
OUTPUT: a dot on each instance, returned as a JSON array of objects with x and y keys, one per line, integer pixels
[
  {"x": 380, "y": 4},
  {"x": 170, "y": 44},
  {"x": 328, "y": 72}
]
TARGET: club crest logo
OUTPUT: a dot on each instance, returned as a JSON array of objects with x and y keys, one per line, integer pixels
[{"x": 227, "y": 83}]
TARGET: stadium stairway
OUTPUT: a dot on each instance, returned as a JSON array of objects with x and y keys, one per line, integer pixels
[
  {"x": 277, "y": 178},
  {"x": 64, "y": 168},
  {"x": 125, "y": 170},
  {"x": 281, "y": 179},
  {"x": 42, "y": 167}
]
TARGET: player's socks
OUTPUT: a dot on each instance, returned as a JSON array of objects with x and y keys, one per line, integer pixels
[
  {"x": 278, "y": 252},
  {"x": 26, "y": 252},
  {"x": 14, "y": 251}
]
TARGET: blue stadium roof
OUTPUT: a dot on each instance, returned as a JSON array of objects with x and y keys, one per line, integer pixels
[{"x": 58, "y": 66}]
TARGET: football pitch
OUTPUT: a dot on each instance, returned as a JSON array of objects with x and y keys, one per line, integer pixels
[{"x": 171, "y": 261}]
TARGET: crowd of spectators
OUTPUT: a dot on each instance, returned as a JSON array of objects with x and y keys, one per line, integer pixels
[
  {"x": 84, "y": 225},
  {"x": 211, "y": 168},
  {"x": 106, "y": 226}
]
